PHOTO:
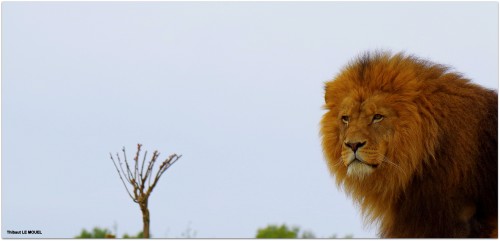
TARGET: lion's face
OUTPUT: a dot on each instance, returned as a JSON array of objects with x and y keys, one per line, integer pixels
[{"x": 364, "y": 130}]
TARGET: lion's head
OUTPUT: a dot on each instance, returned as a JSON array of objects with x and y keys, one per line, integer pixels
[
  {"x": 399, "y": 132},
  {"x": 375, "y": 131},
  {"x": 373, "y": 128}
]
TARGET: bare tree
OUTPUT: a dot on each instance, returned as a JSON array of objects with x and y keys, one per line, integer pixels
[{"x": 137, "y": 177}]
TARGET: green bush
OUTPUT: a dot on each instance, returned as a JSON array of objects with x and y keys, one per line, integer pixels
[
  {"x": 96, "y": 233},
  {"x": 274, "y": 231},
  {"x": 283, "y": 231}
]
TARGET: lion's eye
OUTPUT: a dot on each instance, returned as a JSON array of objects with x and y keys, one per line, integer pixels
[
  {"x": 345, "y": 119},
  {"x": 377, "y": 118}
]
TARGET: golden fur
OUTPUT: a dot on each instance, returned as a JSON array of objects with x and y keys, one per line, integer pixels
[{"x": 415, "y": 145}]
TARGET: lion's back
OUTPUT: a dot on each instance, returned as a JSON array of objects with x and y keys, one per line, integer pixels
[{"x": 465, "y": 164}]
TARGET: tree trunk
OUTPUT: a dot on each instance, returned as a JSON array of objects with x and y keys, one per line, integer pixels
[{"x": 145, "y": 219}]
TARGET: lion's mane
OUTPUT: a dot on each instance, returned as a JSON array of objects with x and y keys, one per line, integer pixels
[{"x": 439, "y": 177}]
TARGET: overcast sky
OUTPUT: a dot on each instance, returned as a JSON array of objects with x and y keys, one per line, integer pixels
[{"x": 236, "y": 88}]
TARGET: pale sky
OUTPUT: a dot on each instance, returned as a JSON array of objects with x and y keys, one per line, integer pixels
[{"x": 235, "y": 87}]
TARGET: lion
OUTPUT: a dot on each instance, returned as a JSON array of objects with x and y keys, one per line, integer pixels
[{"x": 414, "y": 145}]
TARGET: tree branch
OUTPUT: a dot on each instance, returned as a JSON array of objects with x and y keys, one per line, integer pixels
[
  {"x": 151, "y": 165},
  {"x": 136, "y": 160},
  {"x": 163, "y": 167},
  {"x": 119, "y": 174},
  {"x": 121, "y": 168},
  {"x": 142, "y": 169},
  {"x": 130, "y": 175}
]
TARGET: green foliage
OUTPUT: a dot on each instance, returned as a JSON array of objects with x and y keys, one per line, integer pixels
[
  {"x": 139, "y": 235},
  {"x": 283, "y": 231},
  {"x": 275, "y": 231},
  {"x": 96, "y": 233},
  {"x": 271, "y": 231},
  {"x": 104, "y": 233}
]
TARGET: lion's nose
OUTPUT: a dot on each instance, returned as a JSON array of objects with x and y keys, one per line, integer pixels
[{"x": 354, "y": 145}]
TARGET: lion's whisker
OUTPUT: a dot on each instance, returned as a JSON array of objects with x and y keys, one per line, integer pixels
[{"x": 385, "y": 159}]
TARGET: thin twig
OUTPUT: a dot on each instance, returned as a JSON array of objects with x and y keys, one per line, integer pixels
[
  {"x": 121, "y": 167},
  {"x": 120, "y": 175},
  {"x": 163, "y": 167},
  {"x": 136, "y": 160},
  {"x": 131, "y": 176},
  {"x": 142, "y": 169},
  {"x": 151, "y": 163}
]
